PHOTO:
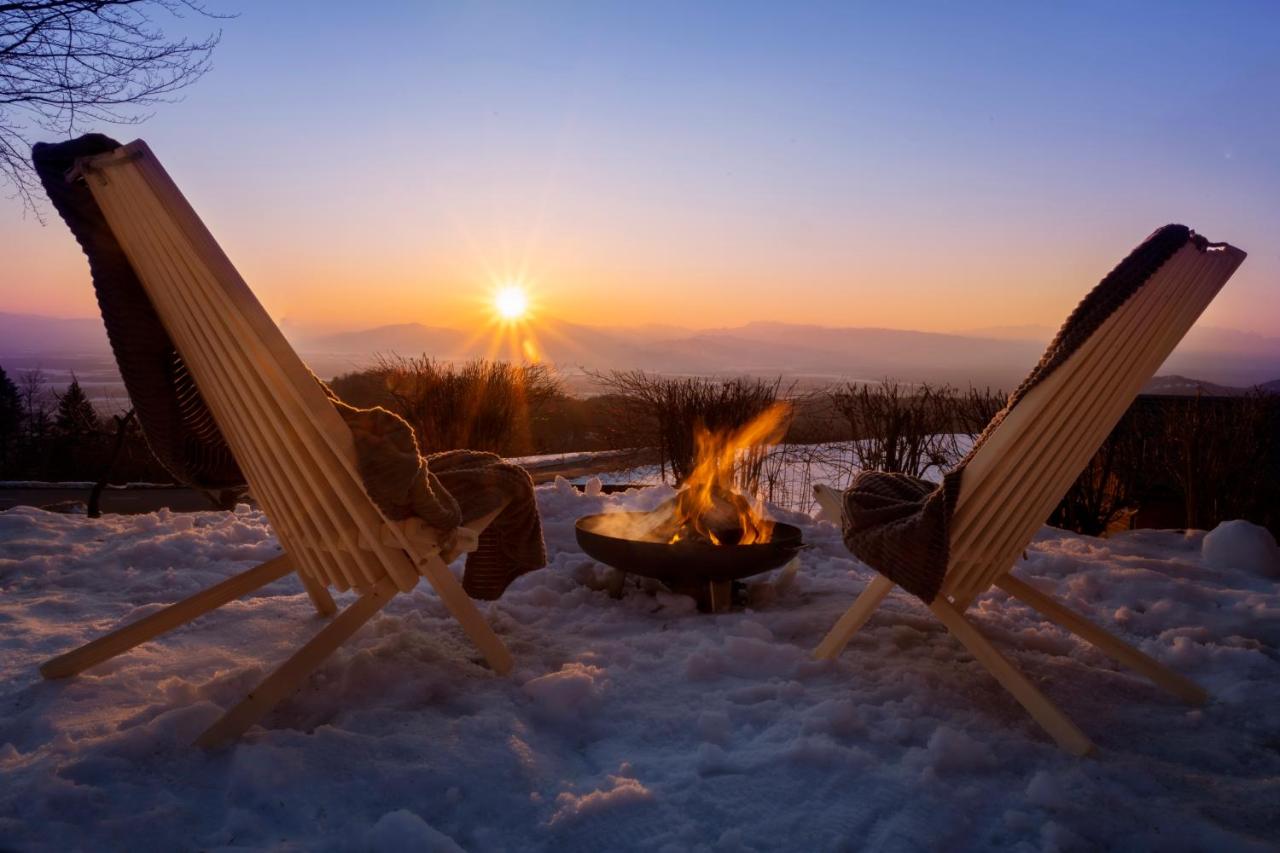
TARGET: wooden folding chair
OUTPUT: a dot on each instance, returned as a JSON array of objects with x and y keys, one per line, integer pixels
[
  {"x": 292, "y": 445},
  {"x": 1015, "y": 479}
]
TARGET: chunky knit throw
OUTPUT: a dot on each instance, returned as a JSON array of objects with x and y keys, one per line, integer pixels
[{"x": 447, "y": 489}]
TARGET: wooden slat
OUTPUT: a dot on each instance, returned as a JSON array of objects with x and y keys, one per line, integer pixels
[
  {"x": 264, "y": 428},
  {"x": 1101, "y": 418},
  {"x": 144, "y": 257},
  {"x": 283, "y": 495},
  {"x": 1071, "y": 418},
  {"x": 304, "y": 391},
  {"x": 1020, "y": 431},
  {"x": 429, "y": 565},
  {"x": 209, "y": 370},
  {"x": 1007, "y": 460},
  {"x": 1016, "y": 475},
  {"x": 258, "y": 350},
  {"x": 1039, "y": 412},
  {"x": 329, "y": 447},
  {"x": 261, "y": 397}
]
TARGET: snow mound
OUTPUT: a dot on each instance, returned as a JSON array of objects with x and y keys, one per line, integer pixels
[
  {"x": 622, "y": 790},
  {"x": 568, "y": 694},
  {"x": 1244, "y": 546},
  {"x": 402, "y": 831}
]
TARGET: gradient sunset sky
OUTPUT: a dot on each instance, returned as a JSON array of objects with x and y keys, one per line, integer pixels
[{"x": 942, "y": 167}]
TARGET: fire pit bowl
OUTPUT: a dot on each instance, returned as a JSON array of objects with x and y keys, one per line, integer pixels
[{"x": 690, "y": 565}]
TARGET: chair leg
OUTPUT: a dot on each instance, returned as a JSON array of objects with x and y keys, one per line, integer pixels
[
  {"x": 319, "y": 596},
  {"x": 1048, "y": 715},
  {"x": 1123, "y": 652},
  {"x": 853, "y": 619},
  {"x": 121, "y": 640},
  {"x": 463, "y": 609},
  {"x": 434, "y": 567},
  {"x": 830, "y": 502},
  {"x": 289, "y": 676}
]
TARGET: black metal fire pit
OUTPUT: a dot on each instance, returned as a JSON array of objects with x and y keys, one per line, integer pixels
[{"x": 692, "y": 566}]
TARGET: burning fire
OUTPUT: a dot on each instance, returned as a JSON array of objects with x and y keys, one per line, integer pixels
[{"x": 709, "y": 507}]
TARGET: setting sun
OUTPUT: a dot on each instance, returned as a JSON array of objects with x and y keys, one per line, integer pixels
[{"x": 511, "y": 302}]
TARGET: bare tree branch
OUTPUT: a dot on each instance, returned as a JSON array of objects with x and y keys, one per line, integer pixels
[{"x": 67, "y": 65}]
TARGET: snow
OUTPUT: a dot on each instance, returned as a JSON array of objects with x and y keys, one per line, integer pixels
[
  {"x": 631, "y": 722},
  {"x": 402, "y": 830},
  {"x": 1240, "y": 544}
]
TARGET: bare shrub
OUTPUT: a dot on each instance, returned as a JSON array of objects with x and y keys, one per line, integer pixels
[
  {"x": 975, "y": 408},
  {"x": 1188, "y": 461},
  {"x": 1106, "y": 492},
  {"x": 836, "y": 432},
  {"x": 663, "y": 412},
  {"x": 1224, "y": 455},
  {"x": 899, "y": 428},
  {"x": 478, "y": 405}
]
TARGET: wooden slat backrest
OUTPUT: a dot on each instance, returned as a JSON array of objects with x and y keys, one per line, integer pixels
[
  {"x": 294, "y": 448},
  {"x": 1016, "y": 478}
]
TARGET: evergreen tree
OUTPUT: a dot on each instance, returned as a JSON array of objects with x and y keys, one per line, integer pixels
[
  {"x": 10, "y": 417},
  {"x": 76, "y": 415}
]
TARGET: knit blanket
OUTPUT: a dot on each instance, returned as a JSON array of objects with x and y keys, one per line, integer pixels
[
  {"x": 900, "y": 525},
  {"x": 445, "y": 490}
]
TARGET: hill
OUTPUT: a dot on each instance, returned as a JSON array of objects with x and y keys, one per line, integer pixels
[
  {"x": 32, "y": 333},
  {"x": 999, "y": 359}
]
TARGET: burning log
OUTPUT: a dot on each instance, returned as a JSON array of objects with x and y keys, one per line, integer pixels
[
  {"x": 709, "y": 507},
  {"x": 722, "y": 518},
  {"x": 681, "y": 519}
]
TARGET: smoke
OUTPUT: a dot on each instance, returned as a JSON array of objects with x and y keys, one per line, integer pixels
[{"x": 658, "y": 525}]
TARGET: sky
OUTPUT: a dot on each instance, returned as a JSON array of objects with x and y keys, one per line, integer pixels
[{"x": 944, "y": 167}]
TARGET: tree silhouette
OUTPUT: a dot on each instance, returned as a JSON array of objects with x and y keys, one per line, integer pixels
[
  {"x": 35, "y": 396},
  {"x": 76, "y": 416},
  {"x": 10, "y": 416},
  {"x": 66, "y": 64}
]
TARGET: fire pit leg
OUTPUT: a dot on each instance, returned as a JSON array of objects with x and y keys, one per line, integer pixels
[
  {"x": 719, "y": 596},
  {"x": 615, "y": 582},
  {"x": 711, "y": 596}
]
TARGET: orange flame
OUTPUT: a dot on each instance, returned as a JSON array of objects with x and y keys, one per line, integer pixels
[{"x": 709, "y": 506}]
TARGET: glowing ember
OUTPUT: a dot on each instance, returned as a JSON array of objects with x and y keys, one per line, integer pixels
[{"x": 709, "y": 507}]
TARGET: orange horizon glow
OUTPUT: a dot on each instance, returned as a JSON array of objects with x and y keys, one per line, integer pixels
[
  {"x": 883, "y": 283},
  {"x": 811, "y": 169}
]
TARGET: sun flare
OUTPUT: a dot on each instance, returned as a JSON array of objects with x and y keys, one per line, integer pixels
[{"x": 511, "y": 302}]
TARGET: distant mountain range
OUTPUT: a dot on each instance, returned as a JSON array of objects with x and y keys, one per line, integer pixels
[
  {"x": 753, "y": 348},
  {"x": 22, "y": 334},
  {"x": 1174, "y": 384},
  {"x": 1221, "y": 358},
  {"x": 990, "y": 357}
]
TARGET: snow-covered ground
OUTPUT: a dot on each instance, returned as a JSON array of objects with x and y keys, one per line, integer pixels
[{"x": 632, "y": 723}]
